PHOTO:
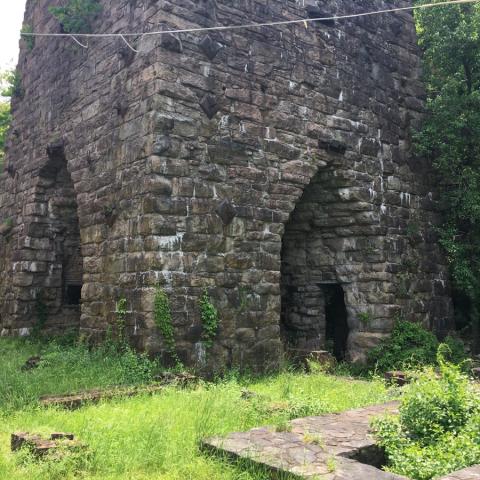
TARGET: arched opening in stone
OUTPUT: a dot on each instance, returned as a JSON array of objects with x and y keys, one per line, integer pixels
[
  {"x": 62, "y": 285},
  {"x": 315, "y": 258}
]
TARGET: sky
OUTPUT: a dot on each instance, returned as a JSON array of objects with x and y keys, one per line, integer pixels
[{"x": 10, "y": 24}]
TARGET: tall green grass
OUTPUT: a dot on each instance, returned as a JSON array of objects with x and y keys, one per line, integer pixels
[
  {"x": 151, "y": 437},
  {"x": 65, "y": 369}
]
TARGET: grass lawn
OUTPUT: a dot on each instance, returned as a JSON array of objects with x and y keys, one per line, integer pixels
[{"x": 150, "y": 437}]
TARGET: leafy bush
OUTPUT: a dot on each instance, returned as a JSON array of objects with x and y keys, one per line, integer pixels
[
  {"x": 437, "y": 430},
  {"x": 433, "y": 407},
  {"x": 77, "y": 16},
  {"x": 409, "y": 345},
  {"x": 454, "y": 351},
  {"x": 136, "y": 368}
]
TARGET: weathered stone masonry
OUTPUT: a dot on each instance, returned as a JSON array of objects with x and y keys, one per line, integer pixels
[{"x": 272, "y": 166}]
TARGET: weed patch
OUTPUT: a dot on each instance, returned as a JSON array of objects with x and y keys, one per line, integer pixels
[{"x": 150, "y": 437}]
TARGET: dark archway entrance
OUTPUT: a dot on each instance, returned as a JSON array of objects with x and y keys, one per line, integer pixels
[
  {"x": 61, "y": 287},
  {"x": 315, "y": 249}
]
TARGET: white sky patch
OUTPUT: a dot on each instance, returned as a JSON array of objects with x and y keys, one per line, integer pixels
[{"x": 10, "y": 25}]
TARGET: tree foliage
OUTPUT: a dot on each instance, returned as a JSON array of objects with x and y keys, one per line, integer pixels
[
  {"x": 450, "y": 39},
  {"x": 77, "y": 15},
  {"x": 6, "y": 91}
]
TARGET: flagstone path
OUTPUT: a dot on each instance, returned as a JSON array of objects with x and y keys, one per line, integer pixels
[{"x": 329, "y": 447}]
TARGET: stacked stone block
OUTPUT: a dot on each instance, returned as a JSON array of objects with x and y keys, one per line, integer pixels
[{"x": 191, "y": 158}]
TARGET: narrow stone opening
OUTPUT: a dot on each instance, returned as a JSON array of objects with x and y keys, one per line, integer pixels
[
  {"x": 62, "y": 281},
  {"x": 336, "y": 331}
]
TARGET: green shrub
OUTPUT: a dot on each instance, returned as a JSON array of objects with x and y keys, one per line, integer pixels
[
  {"x": 409, "y": 345},
  {"x": 454, "y": 351},
  {"x": 136, "y": 367},
  {"x": 437, "y": 430},
  {"x": 77, "y": 16},
  {"x": 433, "y": 407}
]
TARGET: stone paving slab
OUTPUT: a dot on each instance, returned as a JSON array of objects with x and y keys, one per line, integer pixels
[
  {"x": 287, "y": 452},
  {"x": 345, "y": 433},
  {"x": 472, "y": 473},
  {"x": 337, "y": 437},
  {"x": 327, "y": 447}
]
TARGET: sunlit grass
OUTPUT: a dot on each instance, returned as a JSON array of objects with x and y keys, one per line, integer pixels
[{"x": 153, "y": 437}]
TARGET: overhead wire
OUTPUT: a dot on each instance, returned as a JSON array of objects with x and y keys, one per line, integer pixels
[{"x": 304, "y": 21}]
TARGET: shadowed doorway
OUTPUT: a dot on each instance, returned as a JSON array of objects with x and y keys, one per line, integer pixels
[{"x": 336, "y": 325}]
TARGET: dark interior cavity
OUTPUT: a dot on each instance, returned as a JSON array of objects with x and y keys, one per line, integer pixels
[
  {"x": 370, "y": 455},
  {"x": 336, "y": 320}
]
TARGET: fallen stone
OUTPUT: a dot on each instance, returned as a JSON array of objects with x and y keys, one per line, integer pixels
[
  {"x": 476, "y": 372},
  {"x": 322, "y": 357},
  {"x": 182, "y": 379},
  {"x": 32, "y": 363},
  {"x": 247, "y": 395},
  {"x": 397, "y": 377},
  {"x": 40, "y": 446},
  {"x": 78, "y": 400},
  {"x": 60, "y": 435},
  {"x": 471, "y": 473}
]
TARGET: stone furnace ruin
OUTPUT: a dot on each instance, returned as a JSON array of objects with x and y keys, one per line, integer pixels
[{"x": 271, "y": 166}]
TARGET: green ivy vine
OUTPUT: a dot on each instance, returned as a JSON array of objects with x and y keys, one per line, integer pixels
[
  {"x": 209, "y": 317},
  {"x": 121, "y": 320},
  {"x": 163, "y": 320}
]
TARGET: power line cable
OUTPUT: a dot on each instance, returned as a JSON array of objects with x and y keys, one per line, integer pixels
[{"x": 305, "y": 21}]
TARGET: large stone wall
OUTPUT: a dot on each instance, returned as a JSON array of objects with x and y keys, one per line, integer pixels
[{"x": 188, "y": 160}]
